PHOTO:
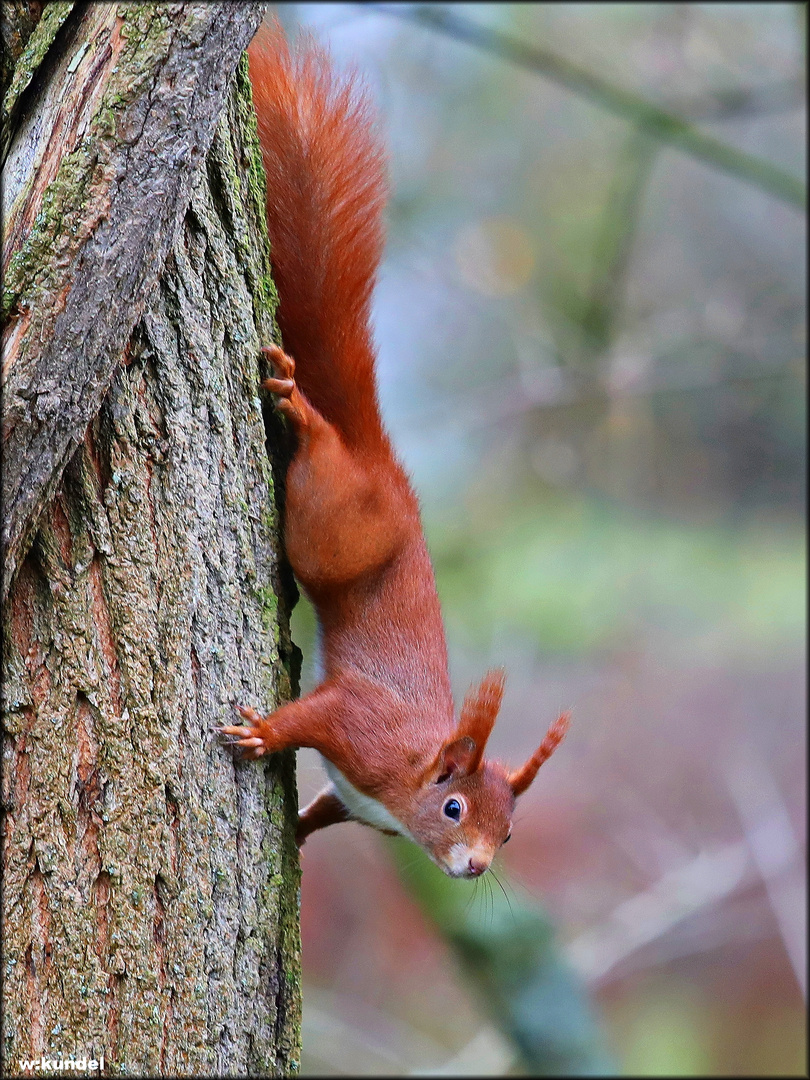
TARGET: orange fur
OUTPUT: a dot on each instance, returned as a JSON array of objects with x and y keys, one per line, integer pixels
[
  {"x": 327, "y": 188},
  {"x": 520, "y": 779},
  {"x": 383, "y": 717}
]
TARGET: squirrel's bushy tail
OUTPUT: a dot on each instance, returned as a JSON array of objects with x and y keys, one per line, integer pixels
[{"x": 326, "y": 190}]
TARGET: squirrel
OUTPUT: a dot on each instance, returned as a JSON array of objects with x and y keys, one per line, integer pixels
[{"x": 383, "y": 716}]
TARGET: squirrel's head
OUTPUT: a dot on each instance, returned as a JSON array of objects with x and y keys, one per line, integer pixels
[{"x": 464, "y": 811}]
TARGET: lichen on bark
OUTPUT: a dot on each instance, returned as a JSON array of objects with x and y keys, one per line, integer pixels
[{"x": 28, "y": 32}]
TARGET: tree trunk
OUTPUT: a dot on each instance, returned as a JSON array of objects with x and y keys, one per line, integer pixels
[{"x": 151, "y": 884}]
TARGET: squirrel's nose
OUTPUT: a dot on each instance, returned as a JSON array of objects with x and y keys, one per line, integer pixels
[{"x": 476, "y": 868}]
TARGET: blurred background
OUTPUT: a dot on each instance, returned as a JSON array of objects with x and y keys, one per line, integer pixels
[{"x": 591, "y": 325}]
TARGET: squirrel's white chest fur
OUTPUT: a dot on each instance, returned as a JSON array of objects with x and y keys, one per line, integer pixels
[{"x": 363, "y": 806}]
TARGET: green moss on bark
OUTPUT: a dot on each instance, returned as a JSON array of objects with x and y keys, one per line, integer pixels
[
  {"x": 66, "y": 216},
  {"x": 31, "y": 56}
]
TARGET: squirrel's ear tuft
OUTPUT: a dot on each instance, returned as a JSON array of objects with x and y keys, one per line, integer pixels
[
  {"x": 520, "y": 779},
  {"x": 479, "y": 711},
  {"x": 462, "y": 755}
]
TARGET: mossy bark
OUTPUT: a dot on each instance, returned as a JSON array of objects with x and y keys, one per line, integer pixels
[
  {"x": 151, "y": 883},
  {"x": 100, "y": 149}
]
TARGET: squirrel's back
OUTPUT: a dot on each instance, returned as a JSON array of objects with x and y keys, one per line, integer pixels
[{"x": 326, "y": 190}]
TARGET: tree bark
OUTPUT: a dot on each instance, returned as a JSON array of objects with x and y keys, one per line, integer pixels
[
  {"x": 151, "y": 884},
  {"x": 106, "y": 142}
]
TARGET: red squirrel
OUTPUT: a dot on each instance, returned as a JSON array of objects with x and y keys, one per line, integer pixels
[{"x": 383, "y": 717}]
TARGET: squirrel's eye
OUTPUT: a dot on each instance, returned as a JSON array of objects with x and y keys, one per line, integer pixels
[
  {"x": 509, "y": 837},
  {"x": 453, "y": 809}
]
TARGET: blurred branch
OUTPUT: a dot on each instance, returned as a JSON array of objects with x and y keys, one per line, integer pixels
[
  {"x": 772, "y": 842},
  {"x": 388, "y": 1045},
  {"x": 744, "y": 101},
  {"x": 550, "y": 387},
  {"x": 614, "y": 242},
  {"x": 507, "y": 953},
  {"x": 706, "y": 879},
  {"x": 657, "y": 122},
  {"x": 340, "y": 1033}
]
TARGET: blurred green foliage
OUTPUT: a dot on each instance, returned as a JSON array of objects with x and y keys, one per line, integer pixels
[
  {"x": 508, "y": 956},
  {"x": 578, "y": 575}
]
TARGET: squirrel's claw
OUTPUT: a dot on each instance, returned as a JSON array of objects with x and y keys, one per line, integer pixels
[
  {"x": 246, "y": 737},
  {"x": 283, "y": 387},
  {"x": 290, "y": 401},
  {"x": 249, "y": 714},
  {"x": 240, "y": 732},
  {"x": 284, "y": 364}
]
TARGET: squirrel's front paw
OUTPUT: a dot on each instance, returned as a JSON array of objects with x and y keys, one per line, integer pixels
[
  {"x": 290, "y": 400},
  {"x": 285, "y": 367},
  {"x": 252, "y": 740}
]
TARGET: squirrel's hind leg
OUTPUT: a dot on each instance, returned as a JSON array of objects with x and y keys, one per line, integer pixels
[
  {"x": 347, "y": 514},
  {"x": 325, "y": 809}
]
